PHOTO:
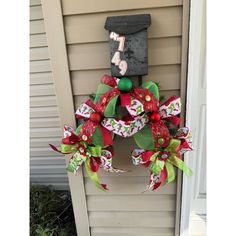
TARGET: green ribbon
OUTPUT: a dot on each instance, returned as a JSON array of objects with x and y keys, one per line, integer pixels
[
  {"x": 144, "y": 138},
  {"x": 157, "y": 166},
  {"x": 95, "y": 151},
  {"x": 93, "y": 175},
  {"x": 174, "y": 160},
  {"x": 91, "y": 151},
  {"x": 170, "y": 172},
  {"x": 67, "y": 148},
  {"x": 77, "y": 159},
  {"x": 111, "y": 107},
  {"x": 173, "y": 146},
  {"x": 152, "y": 87},
  {"x": 101, "y": 90}
]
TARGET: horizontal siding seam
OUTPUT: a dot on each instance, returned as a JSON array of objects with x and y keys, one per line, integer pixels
[
  {"x": 123, "y": 10},
  {"x": 107, "y": 41}
]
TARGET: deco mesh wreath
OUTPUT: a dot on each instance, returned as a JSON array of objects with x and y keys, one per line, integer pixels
[{"x": 120, "y": 108}]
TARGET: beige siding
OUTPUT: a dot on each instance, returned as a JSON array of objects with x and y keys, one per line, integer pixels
[
  {"x": 124, "y": 210},
  {"x": 46, "y": 167}
]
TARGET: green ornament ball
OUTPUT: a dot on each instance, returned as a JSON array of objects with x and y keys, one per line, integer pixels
[
  {"x": 161, "y": 141},
  {"x": 125, "y": 84}
]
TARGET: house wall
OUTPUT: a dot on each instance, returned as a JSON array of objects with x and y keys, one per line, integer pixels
[
  {"x": 46, "y": 167},
  {"x": 75, "y": 31}
]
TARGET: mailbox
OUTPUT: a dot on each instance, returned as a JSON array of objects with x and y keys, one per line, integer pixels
[{"x": 128, "y": 44}]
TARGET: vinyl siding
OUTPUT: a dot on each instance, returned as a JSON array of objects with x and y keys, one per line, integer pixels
[
  {"x": 46, "y": 166},
  {"x": 124, "y": 210}
]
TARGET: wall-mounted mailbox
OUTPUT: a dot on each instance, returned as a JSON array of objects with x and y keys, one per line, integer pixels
[{"x": 128, "y": 44}]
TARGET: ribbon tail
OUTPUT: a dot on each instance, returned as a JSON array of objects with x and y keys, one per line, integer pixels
[
  {"x": 153, "y": 182},
  {"x": 54, "y": 148},
  {"x": 94, "y": 166},
  {"x": 163, "y": 175},
  {"x": 94, "y": 177},
  {"x": 57, "y": 150},
  {"x": 115, "y": 170},
  {"x": 170, "y": 173},
  {"x": 156, "y": 186},
  {"x": 174, "y": 160},
  {"x": 75, "y": 163}
]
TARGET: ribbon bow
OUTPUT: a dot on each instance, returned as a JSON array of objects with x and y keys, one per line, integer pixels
[
  {"x": 161, "y": 162},
  {"x": 93, "y": 157},
  {"x": 92, "y": 126},
  {"x": 138, "y": 100},
  {"x": 156, "y": 132},
  {"x": 144, "y": 98}
]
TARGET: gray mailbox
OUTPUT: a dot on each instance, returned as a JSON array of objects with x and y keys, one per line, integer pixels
[{"x": 128, "y": 44}]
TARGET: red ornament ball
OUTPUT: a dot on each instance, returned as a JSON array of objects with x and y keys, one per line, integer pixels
[
  {"x": 155, "y": 117},
  {"x": 95, "y": 117},
  {"x": 108, "y": 80}
]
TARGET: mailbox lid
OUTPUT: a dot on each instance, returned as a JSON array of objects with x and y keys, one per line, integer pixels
[{"x": 128, "y": 24}]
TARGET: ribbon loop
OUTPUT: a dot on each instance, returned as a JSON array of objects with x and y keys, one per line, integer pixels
[
  {"x": 185, "y": 136},
  {"x": 173, "y": 145},
  {"x": 84, "y": 110},
  {"x": 172, "y": 107}
]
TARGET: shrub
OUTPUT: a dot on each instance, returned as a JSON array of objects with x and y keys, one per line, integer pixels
[{"x": 51, "y": 212}]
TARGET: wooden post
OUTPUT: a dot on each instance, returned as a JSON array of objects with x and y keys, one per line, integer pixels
[{"x": 58, "y": 56}]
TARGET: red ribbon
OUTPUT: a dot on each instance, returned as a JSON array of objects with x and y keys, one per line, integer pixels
[
  {"x": 95, "y": 163},
  {"x": 184, "y": 144},
  {"x": 152, "y": 104},
  {"x": 125, "y": 99},
  {"x": 72, "y": 139},
  {"x": 107, "y": 137},
  {"x": 168, "y": 101},
  {"x": 163, "y": 179},
  {"x": 147, "y": 155}
]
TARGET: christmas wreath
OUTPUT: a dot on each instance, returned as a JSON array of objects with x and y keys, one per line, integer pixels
[{"x": 121, "y": 108}]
